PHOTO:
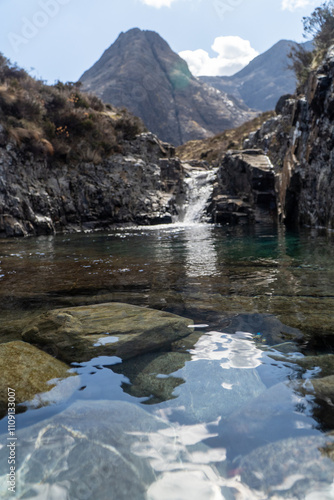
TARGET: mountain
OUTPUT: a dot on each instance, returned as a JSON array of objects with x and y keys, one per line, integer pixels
[
  {"x": 264, "y": 80},
  {"x": 142, "y": 73}
]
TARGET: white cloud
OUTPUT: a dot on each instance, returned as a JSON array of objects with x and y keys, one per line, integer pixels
[
  {"x": 234, "y": 53},
  {"x": 292, "y": 5},
  {"x": 158, "y": 3}
]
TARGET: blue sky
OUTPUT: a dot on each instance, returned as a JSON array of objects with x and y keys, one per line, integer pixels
[{"x": 61, "y": 39}]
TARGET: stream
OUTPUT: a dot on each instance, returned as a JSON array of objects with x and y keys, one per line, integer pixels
[{"x": 228, "y": 412}]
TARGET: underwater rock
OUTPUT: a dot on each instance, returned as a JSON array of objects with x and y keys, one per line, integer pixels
[
  {"x": 291, "y": 468},
  {"x": 219, "y": 379},
  {"x": 151, "y": 376},
  {"x": 81, "y": 333},
  {"x": 83, "y": 453},
  {"x": 266, "y": 327}
]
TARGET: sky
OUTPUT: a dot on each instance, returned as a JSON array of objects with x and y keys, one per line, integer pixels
[{"x": 60, "y": 39}]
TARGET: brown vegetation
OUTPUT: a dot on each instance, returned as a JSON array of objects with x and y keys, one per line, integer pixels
[
  {"x": 213, "y": 148},
  {"x": 60, "y": 121}
]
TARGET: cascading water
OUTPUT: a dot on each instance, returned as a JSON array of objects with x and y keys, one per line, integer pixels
[{"x": 199, "y": 187}]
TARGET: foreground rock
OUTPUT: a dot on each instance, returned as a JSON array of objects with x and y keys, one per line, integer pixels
[
  {"x": 31, "y": 372},
  {"x": 151, "y": 375},
  {"x": 291, "y": 468},
  {"x": 82, "y": 333},
  {"x": 85, "y": 452}
]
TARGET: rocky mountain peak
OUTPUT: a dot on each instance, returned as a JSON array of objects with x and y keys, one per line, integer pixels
[{"x": 141, "y": 72}]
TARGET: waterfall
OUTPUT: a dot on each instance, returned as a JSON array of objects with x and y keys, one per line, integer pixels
[{"x": 199, "y": 188}]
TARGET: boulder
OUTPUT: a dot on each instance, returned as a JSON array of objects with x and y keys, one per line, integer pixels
[
  {"x": 32, "y": 372},
  {"x": 151, "y": 375},
  {"x": 78, "y": 334},
  {"x": 291, "y": 468},
  {"x": 246, "y": 188},
  {"x": 113, "y": 450},
  {"x": 82, "y": 453}
]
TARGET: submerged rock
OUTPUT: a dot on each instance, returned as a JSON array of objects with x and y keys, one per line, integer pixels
[
  {"x": 325, "y": 363},
  {"x": 80, "y": 333},
  {"x": 291, "y": 468},
  {"x": 220, "y": 377},
  {"x": 31, "y": 372},
  {"x": 150, "y": 375},
  {"x": 265, "y": 327},
  {"x": 322, "y": 388},
  {"x": 83, "y": 453}
]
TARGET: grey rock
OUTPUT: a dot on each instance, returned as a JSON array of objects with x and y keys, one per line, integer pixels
[
  {"x": 131, "y": 188},
  {"x": 141, "y": 72},
  {"x": 291, "y": 468},
  {"x": 300, "y": 145},
  {"x": 84, "y": 453}
]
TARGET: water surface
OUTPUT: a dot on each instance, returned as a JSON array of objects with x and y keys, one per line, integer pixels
[{"x": 232, "y": 401}]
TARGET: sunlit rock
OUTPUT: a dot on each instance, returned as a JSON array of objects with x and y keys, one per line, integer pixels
[
  {"x": 81, "y": 333},
  {"x": 35, "y": 376}
]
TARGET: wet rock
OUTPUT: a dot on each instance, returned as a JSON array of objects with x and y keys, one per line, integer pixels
[
  {"x": 300, "y": 144},
  {"x": 84, "y": 452},
  {"x": 291, "y": 468},
  {"x": 266, "y": 328},
  {"x": 150, "y": 375},
  {"x": 322, "y": 388},
  {"x": 324, "y": 362},
  {"x": 220, "y": 378},
  {"x": 31, "y": 372},
  {"x": 134, "y": 187},
  {"x": 81, "y": 333},
  {"x": 246, "y": 188}
]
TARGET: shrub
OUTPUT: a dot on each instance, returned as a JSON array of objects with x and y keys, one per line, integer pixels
[
  {"x": 59, "y": 120},
  {"x": 320, "y": 27}
]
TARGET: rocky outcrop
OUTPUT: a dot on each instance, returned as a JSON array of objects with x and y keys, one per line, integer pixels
[
  {"x": 299, "y": 142},
  {"x": 138, "y": 186},
  {"x": 246, "y": 188},
  {"x": 142, "y": 73}
]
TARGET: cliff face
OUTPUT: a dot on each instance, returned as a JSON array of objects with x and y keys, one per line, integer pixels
[
  {"x": 142, "y": 73},
  {"x": 139, "y": 186},
  {"x": 300, "y": 144}
]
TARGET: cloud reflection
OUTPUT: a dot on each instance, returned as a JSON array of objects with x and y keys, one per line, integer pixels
[{"x": 237, "y": 351}]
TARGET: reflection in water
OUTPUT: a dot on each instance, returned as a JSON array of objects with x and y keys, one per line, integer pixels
[
  {"x": 201, "y": 255},
  {"x": 237, "y": 428},
  {"x": 238, "y": 350}
]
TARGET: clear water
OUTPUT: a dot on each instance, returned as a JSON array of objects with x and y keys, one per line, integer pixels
[{"x": 233, "y": 403}]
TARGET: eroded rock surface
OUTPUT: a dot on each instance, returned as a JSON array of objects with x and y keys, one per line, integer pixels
[{"x": 81, "y": 333}]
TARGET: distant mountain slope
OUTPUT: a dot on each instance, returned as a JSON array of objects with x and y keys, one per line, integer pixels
[
  {"x": 263, "y": 80},
  {"x": 141, "y": 72}
]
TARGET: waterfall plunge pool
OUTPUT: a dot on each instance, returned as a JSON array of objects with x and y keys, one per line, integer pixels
[{"x": 231, "y": 412}]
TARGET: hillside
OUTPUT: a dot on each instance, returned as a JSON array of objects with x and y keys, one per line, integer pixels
[
  {"x": 142, "y": 73},
  {"x": 59, "y": 122},
  {"x": 264, "y": 80},
  {"x": 214, "y": 148}
]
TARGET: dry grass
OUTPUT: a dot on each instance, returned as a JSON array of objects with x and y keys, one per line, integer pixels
[
  {"x": 59, "y": 121},
  {"x": 213, "y": 148}
]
